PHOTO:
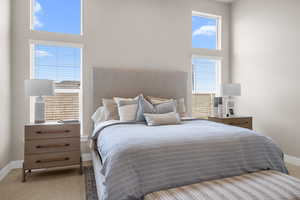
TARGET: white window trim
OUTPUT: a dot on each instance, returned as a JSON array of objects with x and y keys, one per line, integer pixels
[
  {"x": 41, "y": 31},
  {"x": 220, "y": 58},
  {"x": 219, "y": 29},
  {"x": 56, "y": 43}
]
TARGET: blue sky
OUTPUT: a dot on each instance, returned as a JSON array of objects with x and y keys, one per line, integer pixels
[
  {"x": 62, "y": 63},
  {"x": 204, "y": 32},
  {"x": 63, "y": 16}
]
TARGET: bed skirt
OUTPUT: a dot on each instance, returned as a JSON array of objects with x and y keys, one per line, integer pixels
[{"x": 99, "y": 178}]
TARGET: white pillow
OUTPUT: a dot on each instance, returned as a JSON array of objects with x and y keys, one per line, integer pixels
[
  {"x": 127, "y": 109},
  {"x": 162, "y": 119},
  {"x": 99, "y": 115},
  {"x": 180, "y": 107}
]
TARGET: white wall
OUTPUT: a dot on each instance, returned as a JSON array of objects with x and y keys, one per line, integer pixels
[
  {"x": 265, "y": 58},
  {"x": 117, "y": 33},
  {"x": 5, "y": 87}
]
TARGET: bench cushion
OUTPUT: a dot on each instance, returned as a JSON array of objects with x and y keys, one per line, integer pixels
[{"x": 263, "y": 185}]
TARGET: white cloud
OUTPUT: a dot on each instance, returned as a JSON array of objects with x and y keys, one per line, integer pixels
[
  {"x": 37, "y": 8},
  {"x": 41, "y": 53},
  {"x": 206, "y": 30},
  {"x": 36, "y": 22}
]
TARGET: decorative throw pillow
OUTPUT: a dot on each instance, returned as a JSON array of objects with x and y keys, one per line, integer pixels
[
  {"x": 166, "y": 107},
  {"x": 157, "y": 100},
  {"x": 99, "y": 115},
  {"x": 128, "y": 109},
  {"x": 180, "y": 105},
  {"x": 146, "y": 107},
  {"x": 110, "y": 109},
  {"x": 117, "y": 99},
  {"x": 171, "y": 118}
]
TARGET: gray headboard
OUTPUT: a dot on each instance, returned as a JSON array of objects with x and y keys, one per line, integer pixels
[{"x": 108, "y": 83}]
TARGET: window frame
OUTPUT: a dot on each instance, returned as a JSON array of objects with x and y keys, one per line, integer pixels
[
  {"x": 31, "y": 28},
  {"x": 32, "y": 44},
  {"x": 219, "y": 29}
]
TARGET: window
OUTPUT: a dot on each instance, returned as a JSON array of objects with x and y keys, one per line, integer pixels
[
  {"x": 205, "y": 77},
  {"x": 63, "y": 65},
  {"x": 206, "y": 64},
  {"x": 61, "y": 16},
  {"x": 206, "y": 31}
]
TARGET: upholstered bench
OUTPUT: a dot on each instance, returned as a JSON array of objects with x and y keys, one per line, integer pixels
[{"x": 263, "y": 185}]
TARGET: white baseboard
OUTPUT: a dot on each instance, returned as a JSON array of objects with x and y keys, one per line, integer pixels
[
  {"x": 10, "y": 166},
  {"x": 5, "y": 170},
  {"x": 292, "y": 160},
  {"x": 17, "y": 164}
]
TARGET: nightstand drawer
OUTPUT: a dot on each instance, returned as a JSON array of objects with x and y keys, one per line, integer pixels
[
  {"x": 52, "y": 131},
  {"x": 52, "y": 145},
  {"x": 51, "y": 160},
  {"x": 244, "y": 122},
  {"x": 235, "y": 121}
]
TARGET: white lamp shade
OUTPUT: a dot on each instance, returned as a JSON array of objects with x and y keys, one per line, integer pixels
[
  {"x": 38, "y": 87},
  {"x": 230, "y": 90}
]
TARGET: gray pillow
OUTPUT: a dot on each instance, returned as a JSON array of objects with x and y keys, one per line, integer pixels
[
  {"x": 180, "y": 108},
  {"x": 171, "y": 118},
  {"x": 146, "y": 107}
]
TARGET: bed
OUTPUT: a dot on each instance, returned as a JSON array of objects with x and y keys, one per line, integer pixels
[{"x": 131, "y": 159}]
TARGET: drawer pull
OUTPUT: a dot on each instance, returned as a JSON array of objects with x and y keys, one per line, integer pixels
[
  {"x": 52, "y": 132},
  {"x": 52, "y": 160},
  {"x": 52, "y": 146},
  {"x": 238, "y": 124}
]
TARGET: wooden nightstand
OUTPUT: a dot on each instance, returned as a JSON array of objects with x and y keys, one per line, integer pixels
[
  {"x": 244, "y": 122},
  {"x": 51, "y": 145}
]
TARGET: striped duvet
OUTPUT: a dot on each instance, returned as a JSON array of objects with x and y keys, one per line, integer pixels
[
  {"x": 138, "y": 159},
  {"x": 262, "y": 185}
]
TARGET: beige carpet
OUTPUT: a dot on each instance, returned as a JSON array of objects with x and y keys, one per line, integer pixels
[{"x": 64, "y": 184}]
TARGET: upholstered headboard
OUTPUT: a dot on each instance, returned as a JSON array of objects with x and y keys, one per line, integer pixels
[{"x": 108, "y": 83}]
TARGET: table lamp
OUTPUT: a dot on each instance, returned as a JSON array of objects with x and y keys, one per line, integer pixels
[
  {"x": 227, "y": 91},
  {"x": 39, "y": 88}
]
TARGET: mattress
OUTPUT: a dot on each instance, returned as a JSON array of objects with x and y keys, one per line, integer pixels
[
  {"x": 262, "y": 185},
  {"x": 138, "y": 159}
]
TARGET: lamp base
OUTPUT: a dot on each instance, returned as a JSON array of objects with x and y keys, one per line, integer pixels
[
  {"x": 230, "y": 106},
  {"x": 39, "y": 110}
]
